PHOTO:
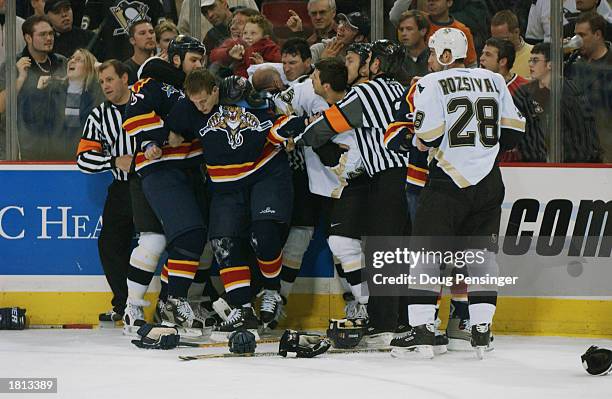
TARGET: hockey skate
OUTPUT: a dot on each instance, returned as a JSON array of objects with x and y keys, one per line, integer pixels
[
  {"x": 350, "y": 309},
  {"x": 459, "y": 336},
  {"x": 159, "y": 309},
  {"x": 418, "y": 342},
  {"x": 481, "y": 338},
  {"x": 377, "y": 339},
  {"x": 203, "y": 310},
  {"x": 271, "y": 309},
  {"x": 134, "y": 318},
  {"x": 440, "y": 340},
  {"x": 178, "y": 313},
  {"x": 241, "y": 318},
  {"x": 110, "y": 316}
]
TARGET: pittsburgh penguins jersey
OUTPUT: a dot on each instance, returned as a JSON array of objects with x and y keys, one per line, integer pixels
[
  {"x": 462, "y": 113},
  {"x": 146, "y": 118},
  {"x": 238, "y": 143},
  {"x": 301, "y": 100}
]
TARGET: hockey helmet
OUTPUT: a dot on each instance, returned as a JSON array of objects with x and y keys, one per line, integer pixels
[
  {"x": 389, "y": 53},
  {"x": 345, "y": 334},
  {"x": 241, "y": 341},
  {"x": 597, "y": 361},
  {"x": 450, "y": 39},
  {"x": 302, "y": 344},
  {"x": 183, "y": 44},
  {"x": 361, "y": 49},
  {"x": 235, "y": 89}
]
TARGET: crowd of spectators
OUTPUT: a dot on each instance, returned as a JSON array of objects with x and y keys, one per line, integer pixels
[{"x": 59, "y": 41}]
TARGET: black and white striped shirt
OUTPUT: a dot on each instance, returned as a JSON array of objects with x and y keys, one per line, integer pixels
[
  {"x": 103, "y": 140},
  {"x": 368, "y": 109}
]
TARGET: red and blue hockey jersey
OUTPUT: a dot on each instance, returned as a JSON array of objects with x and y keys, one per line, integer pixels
[{"x": 146, "y": 118}]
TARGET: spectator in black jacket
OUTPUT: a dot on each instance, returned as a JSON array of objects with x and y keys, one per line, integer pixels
[{"x": 67, "y": 37}]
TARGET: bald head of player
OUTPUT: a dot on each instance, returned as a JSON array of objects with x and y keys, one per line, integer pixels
[{"x": 268, "y": 79}]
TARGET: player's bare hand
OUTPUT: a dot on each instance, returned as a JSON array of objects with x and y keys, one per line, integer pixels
[
  {"x": 294, "y": 23},
  {"x": 43, "y": 82},
  {"x": 23, "y": 65},
  {"x": 124, "y": 162},
  {"x": 289, "y": 145},
  {"x": 421, "y": 146},
  {"x": 237, "y": 52},
  {"x": 153, "y": 152},
  {"x": 332, "y": 49},
  {"x": 256, "y": 58},
  {"x": 175, "y": 139},
  {"x": 415, "y": 79}
]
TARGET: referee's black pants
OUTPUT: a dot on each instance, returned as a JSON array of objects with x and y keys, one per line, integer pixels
[
  {"x": 387, "y": 210},
  {"x": 115, "y": 241}
]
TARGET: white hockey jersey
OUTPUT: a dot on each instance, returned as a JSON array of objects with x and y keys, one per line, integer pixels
[
  {"x": 300, "y": 99},
  {"x": 467, "y": 108}
]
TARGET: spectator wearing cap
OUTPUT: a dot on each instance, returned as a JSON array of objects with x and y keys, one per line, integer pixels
[
  {"x": 183, "y": 21},
  {"x": 322, "y": 14},
  {"x": 505, "y": 26},
  {"x": 217, "y": 12},
  {"x": 411, "y": 32},
  {"x": 67, "y": 37},
  {"x": 352, "y": 28}
]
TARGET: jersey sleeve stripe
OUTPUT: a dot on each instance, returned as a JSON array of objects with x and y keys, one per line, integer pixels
[
  {"x": 89, "y": 145},
  {"x": 513, "y": 124},
  {"x": 140, "y": 123},
  {"x": 450, "y": 169},
  {"x": 432, "y": 134},
  {"x": 394, "y": 129},
  {"x": 336, "y": 119}
]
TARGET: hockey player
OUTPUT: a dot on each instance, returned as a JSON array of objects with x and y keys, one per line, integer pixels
[
  {"x": 368, "y": 108},
  {"x": 250, "y": 183},
  {"x": 465, "y": 116},
  {"x": 171, "y": 179}
]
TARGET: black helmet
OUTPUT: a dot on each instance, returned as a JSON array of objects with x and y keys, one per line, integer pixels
[
  {"x": 183, "y": 44},
  {"x": 390, "y": 54},
  {"x": 361, "y": 49},
  {"x": 234, "y": 89}
]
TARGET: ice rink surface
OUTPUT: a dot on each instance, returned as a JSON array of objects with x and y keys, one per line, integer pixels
[{"x": 104, "y": 364}]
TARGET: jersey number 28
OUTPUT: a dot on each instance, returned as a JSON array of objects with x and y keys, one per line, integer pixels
[{"x": 486, "y": 111}]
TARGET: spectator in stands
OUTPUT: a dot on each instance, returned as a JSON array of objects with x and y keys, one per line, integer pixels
[
  {"x": 297, "y": 60},
  {"x": 71, "y": 100},
  {"x": 38, "y": 6},
  {"x": 498, "y": 56},
  {"x": 592, "y": 73},
  {"x": 580, "y": 140},
  {"x": 35, "y": 61},
  {"x": 538, "y": 25},
  {"x": 183, "y": 22},
  {"x": 259, "y": 46},
  {"x": 67, "y": 37},
  {"x": 221, "y": 63},
  {"x": 472, "y": 13},
  {"x": 20, "y": 43},
  {"x": 164, "y": 33},
  {"x": 112, "y": 19},
  {"x": 411, "y": 31},
  {"x": 505, "y": 26},
  {"x": 584, "y": 7},
  {"x": 352, "y": 28},
  {"x": 217, "y": 12},
  {"x": 322, "y": 14},
  {"x": 142, "y": 38}
]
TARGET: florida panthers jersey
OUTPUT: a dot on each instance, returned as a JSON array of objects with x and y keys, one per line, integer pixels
[
  {"x": 146, "y": 117},
  {"x": 461, "y": 113},
  {"x": 237, "y": 142}
]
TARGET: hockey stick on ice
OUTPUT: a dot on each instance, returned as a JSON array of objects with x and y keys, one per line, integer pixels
[
  {"x": 224, "y": 344},
  {"x": 267, "y": 354}
]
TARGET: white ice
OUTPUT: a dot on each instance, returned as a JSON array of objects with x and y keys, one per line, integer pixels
[{"x": 102, "y": 363}]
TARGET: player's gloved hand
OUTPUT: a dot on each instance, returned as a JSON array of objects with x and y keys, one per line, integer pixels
[{"x": 330, "y": 153}]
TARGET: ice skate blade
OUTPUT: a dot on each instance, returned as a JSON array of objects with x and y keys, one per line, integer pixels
[
  {"x": 222, "y": 336},
  {"x": 378, "y": 341},
  {"x": 480, "y": 350},
  {"x": 130, "y": 331},
  {"x": 109, "y": 324},
  {"x": 440, "y": 349},
  {"x": 189, "y": 332},
  {"x": 415, "y": 352},
  {"x": 459, "y": 345}
]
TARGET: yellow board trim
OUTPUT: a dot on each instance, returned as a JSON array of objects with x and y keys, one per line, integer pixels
[{"x": 518, "y": 316}]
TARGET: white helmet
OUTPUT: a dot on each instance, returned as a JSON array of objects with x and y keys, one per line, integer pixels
[{"x": 450, "y": 39}]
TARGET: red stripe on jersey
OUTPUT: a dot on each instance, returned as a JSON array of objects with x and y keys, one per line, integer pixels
[
  {"x": 220, "y": 173},
  {"x": 516, "y": 82},
  {"x": 235, "y": 275},
  {"x": 417, "y": 175},
  {"x": 271, "y": 268}
]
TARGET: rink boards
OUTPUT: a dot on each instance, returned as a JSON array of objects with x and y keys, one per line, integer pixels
[{"x": 50, "y": 221}]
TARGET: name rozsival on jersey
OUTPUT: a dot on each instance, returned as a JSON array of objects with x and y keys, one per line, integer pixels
[{"x": 454, "y": 84}]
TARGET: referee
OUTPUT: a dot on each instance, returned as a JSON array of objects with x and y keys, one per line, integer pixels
[
  {"x": 105, "y": 146},
  {"x": 368, "y": 109}
]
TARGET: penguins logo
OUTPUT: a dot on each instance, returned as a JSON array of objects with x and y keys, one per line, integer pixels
[
  {"x": 128, "y": 12},
  {"x": 234, "y": 120}
]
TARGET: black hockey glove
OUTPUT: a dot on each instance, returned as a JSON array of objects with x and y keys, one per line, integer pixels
[
  {"x": 303, "y": 344},
  {"x": 12, "y": 319},
  {"x": 157, "y": 336},
  {"x": 330, "y": 153}
]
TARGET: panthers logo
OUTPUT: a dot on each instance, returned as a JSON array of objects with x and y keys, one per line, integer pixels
[{"x": 233, "y": 120}]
